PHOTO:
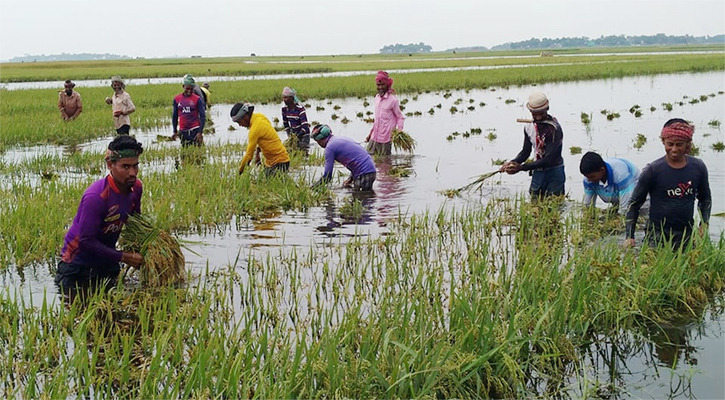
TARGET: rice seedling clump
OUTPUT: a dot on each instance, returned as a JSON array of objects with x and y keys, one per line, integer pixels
[
  {"x": 403, "y": 141},
  {"x": 164, "y": 262}
]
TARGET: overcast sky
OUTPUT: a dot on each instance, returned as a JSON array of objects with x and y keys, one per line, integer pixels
[{"x": 156, "y": 28}]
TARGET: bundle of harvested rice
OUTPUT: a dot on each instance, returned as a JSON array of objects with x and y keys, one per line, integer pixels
[
  {"x": 479, "y": 181},
  {"x": 290, "y": 143},
  {"x": 163, "y": 260},
  {"x": 402, "y": 141}
]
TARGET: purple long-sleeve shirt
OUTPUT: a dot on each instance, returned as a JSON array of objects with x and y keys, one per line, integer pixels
[
  {"x": 348, "y": 153},
  {"x": 91, "y": 239}
]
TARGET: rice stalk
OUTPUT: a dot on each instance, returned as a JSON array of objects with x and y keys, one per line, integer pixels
[
  {"x": 164, "y": 262},
  {"x": 402, "y": 141},
  {"x": 478, "y": 182}
]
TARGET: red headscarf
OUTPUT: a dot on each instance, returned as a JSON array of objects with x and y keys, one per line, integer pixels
[
  {"x": 383, "y": 76},
  {"x": 679, "y": 131}
]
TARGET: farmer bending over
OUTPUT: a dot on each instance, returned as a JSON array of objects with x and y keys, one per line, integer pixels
[
  {"x": 262, "y": 137},
  {"x": 89, "y": 256},
  {"x": 612, "y": 180},
  {"x": 348, "y": 153}
]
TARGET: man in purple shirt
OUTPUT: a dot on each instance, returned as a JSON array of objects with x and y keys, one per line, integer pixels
[
  {"x": 89, "y": 256},
  {"x": 348, "y": 153},
  {"x": 189, "y": 115},
  {"x": 387, "y": 116}
]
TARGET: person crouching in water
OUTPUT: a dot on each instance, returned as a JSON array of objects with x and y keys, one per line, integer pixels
[
  {"x": 348, "y": 153},
  {"x": 89, "y": 257}
]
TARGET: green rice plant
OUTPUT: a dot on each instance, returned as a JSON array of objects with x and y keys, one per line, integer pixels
[
  {"x": 163, "y": 260},
  {"x": 718, "y": 146},
  {"x": 585, "y": 118},
  {"x": 714, "y": 122},
  {"x": 612, "y": 115},
  {"x": 634, "y": 108},
  {"x": 402, "y": 141},
  {"x": 640, "y": 141},
  {"x": 575, "y": 150},
  {"x": 667, "y": 106}
]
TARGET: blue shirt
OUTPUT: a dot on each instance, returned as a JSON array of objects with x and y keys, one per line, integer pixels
[{"x": 622, "y": 177}]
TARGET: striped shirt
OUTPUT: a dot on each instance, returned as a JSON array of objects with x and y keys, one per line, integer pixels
[{"x": 295, "y": 120}]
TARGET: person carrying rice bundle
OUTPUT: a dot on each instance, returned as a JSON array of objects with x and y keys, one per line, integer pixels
[
  {"x": 89, "y": 256},
  {"x": 387, "y": 116}
]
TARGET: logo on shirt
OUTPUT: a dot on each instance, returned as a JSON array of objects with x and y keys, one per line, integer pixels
[
  {"x": 682, "y": 190},
  {"x": 112, "y": 213}
]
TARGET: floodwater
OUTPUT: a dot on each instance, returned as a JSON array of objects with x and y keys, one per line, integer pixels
[{"x": 440, "y": 164}]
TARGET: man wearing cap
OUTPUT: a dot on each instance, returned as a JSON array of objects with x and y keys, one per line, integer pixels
[
  {"x": 122, "y": 106},
  {"x": 387, "y": 116},
  {"x": 294, "y": 119},
  {"x": 348, "y": 153},
  {"x": 612, "y": 180},
  {"x": 545, "y": 137},
  {"x": 672, "y": 183},
  {"x": 262, "y": 137},
  {"x": 189, "y": 115},
  {"x": 89, "y": 255},
  {"x": 69, "y": 102}
]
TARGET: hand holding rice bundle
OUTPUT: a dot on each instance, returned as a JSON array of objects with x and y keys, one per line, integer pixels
[
  {"x": 402, "y": 141},
  {"x": 164, "y": 262}
]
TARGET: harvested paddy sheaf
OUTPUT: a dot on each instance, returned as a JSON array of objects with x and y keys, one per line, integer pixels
[
  {"x": 163, "y": 260},
  {"x": 478, "y": 303}
]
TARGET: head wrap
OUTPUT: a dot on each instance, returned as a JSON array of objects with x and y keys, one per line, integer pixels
[
  {"x": 189, "y": 80},
  {"x": 69, "y": 84},
  {"x": 383, "y": 76},
  {"x": 119, "y": 80},
  {"x": 320, "y": 132},
  {"x": 537, "y": 102},
  {"x": 115, "y": 155},
  {"x": 289, "y": 92},
  {"x": 206, "y": 85},
  {"x": 678, "y": 131},
  {"x": 240, "y": 110}
]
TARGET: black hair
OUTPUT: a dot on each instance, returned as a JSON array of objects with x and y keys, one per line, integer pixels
[
  {"x": 675, "y": 120},
  {"x": 125, "y": 142},
  {"x": 591, "y": 162}
]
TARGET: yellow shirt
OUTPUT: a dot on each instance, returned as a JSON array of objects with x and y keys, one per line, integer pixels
[{"x": 262, "y": 134}]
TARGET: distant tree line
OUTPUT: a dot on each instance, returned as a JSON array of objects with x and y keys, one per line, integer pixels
[
  {"x": 406, "y": 48},
  {"x": 611, "y": 41},
  {"x": 68, "y": 57}
]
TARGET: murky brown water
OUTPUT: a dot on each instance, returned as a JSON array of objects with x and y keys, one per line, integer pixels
[{"x": 440, "y": 164}]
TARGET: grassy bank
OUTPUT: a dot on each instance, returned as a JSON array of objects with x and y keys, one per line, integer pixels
[
  {"x": 30, "y": 117},
  {"x": 453, "y": 304}
]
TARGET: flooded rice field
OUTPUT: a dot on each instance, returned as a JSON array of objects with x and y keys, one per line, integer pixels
[{"x": 462, "y": 134}]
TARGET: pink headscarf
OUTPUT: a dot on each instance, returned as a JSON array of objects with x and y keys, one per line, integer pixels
[
  {"x": 383, "y": 76},
  {"x": 679, "y": 131}
]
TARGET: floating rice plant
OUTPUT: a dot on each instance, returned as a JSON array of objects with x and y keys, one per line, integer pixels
[
  {"x": 695, "y": 150},
  {"x": 163, "y": 260},
  {"x": 366, "y": 103},
  {"x": 718, "y": 146},
  {"x": 453, "y": 109},
  {"x": 334, "y": 116},
  {"x": 640, "y": 141},
  {"x": 703, "y": 97},
  {"x": 585, "y": 118},
  {"x": 575, "y": 150},
  {"x": 431, "y": 111},
  {"x": 482, "y": 104},
  {"x": 634, "y": 108},
  {"x": 612, "y": 115},
  {"x": 652, "y": 108},
  {"x": 345, "y": 120},
  {"x": 667, "y": 106},
  {"x": 510, "y": 101},
  {"x": 714, "y": 122}
]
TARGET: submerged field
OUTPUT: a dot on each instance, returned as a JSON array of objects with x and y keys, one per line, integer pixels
[{"x": 406, "y": 293}]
